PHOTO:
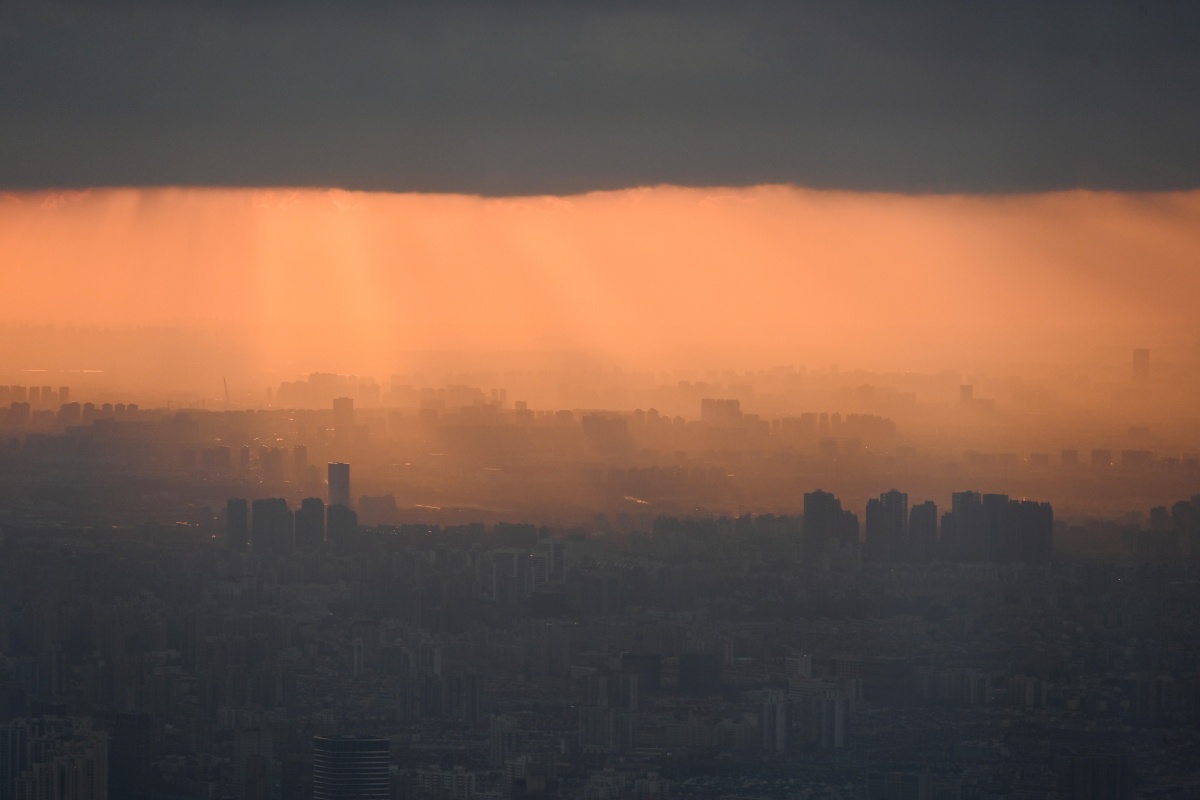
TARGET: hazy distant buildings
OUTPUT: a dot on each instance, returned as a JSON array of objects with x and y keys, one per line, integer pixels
[
  {"x": 351, "y": 768},
  {"x": 339, "y": 484},
  {"x": 343, "y": 418},
  {"x": 720, "y": 412},
  {"x": 299, "y": 460}
]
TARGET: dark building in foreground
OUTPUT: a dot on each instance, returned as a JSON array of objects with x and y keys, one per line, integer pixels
[
  {"x": 350, "y": 768},
  {"x": 923, "y": 532},
  {"x": 993, "y": 528},
  {"x": 237, "y": 515},
  {"x": 887, "y": 527},
  {"x": 310, "y": 522},
  {"x": 826, "y": 524},
  {"x": 341, "y": 529},
  {"x": 271, "y": 525}
]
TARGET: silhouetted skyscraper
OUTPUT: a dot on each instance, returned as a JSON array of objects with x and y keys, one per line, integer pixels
[
  {"x": 310, "y": 522},
  {"x": 922, "y": 532},
  {"x": 339, "y": 484},
  {"x": 237, "y": 523},
  {"x": 995, "y": 525},
  {"x": 964, "y": 539},
  {"x": 351, "y": 768},
  {"x": 341, "y": 528},
  {"x": 1029, "y": 532},
  {"x": 271, "y": 525},
  {"x": 826, "y": 524},
  {"x": 887, "y": 527},
  {"x": 992, "y": 527}
]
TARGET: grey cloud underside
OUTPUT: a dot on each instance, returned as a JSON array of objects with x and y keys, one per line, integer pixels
[{"x": 566, "y": 97}]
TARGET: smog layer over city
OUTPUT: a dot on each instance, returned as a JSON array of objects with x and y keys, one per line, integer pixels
[{"x": 620, "y": 401}]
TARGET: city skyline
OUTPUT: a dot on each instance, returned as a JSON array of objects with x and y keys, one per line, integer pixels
[{"x": 599, "y": 400}]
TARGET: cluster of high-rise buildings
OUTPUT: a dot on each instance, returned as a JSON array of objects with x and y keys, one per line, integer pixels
[
  {"x": 978, "y": 528},
  {"x": 269, "y": 524},
  {"x": 35, "y": 396}
]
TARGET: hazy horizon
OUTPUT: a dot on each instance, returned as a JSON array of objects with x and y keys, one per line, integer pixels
[{"x": 286, "y": 282}]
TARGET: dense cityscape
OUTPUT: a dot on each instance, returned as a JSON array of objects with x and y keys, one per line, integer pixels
[
  {"x": 599, "y": 400},
  {"x": 205, "y": 604}
]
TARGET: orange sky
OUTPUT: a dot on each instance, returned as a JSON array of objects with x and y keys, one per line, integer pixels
[{"x": 340, "y": 281}]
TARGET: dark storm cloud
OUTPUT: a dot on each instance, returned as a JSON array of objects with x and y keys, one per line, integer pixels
[{"x": 571, "y": 96}]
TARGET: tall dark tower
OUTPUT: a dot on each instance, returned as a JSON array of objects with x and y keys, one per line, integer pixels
[
  {"x": 351, "y": 768},
  {"x": 237, "y": 523},
  {"x": 310, "y": 522},
  {"x": 966, "y": 538},
  {"x": 923, "y": 531},
  {"x": 271, "y": 525},
  {"x": 341, "y": 529},
  {"x": 887, "y": 527},
  {"x": 339, "y": 484},
  {"x": 826, "y": 524}
]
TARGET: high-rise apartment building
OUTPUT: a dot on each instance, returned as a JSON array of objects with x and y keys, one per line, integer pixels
[
  {"x": 310, "y": 522},
  {"x": 339, "y": 484},
  {"x": 237, "y": 523},
  {"x": 887, "y": 527},
  {"x": 351, "y": 768}
]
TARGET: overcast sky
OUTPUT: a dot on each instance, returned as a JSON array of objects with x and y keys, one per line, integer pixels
[{"x": 566, "y": 97}]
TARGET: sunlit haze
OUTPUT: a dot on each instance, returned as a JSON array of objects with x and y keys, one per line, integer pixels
[{"x": 257, "y": 282}]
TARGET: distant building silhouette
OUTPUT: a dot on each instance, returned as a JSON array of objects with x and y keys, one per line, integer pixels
[
  {"x": 341, "y": 529},
  {"x": 887, "y": 528},
  {"x": 993, "y": 528},
  {"x": 271, "y": 525},
  {"x": 922, "y": 532},
  {"x": 343, "y": 418},
  {"x": 237, "y": 523},
  {"x": 339, "y": 484},
  {"x": 299, "y": 460},
  {"x": 720, "y": 412},
  {"x": 826, "y": 524},
  {"x": 310, "y": 522}
]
